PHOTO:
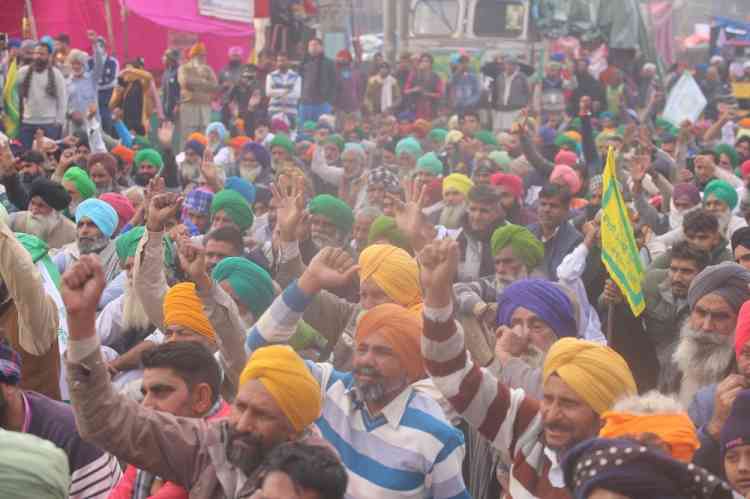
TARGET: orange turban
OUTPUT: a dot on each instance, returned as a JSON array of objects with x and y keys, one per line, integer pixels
[
  {"x": 236, "y": 143},
  {"x": 182, "y": 307},
  {"x": 421, "y": 128},
  {"x": 197, "y": 49},
  {"x": 124, "y": 153},
  {"x": 394, "y": 271},
  {"x": 199, "y": 137},
  {"x": 402, "y": 329},
  {"x": 676, "y": 430}
]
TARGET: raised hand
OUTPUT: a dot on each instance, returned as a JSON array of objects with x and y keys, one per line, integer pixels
[
  {"x": 209, "y": 170},
  {"x": 289, "y": 199},
  {"x": 91, "y": 111},
  {"x": 193, "y": 262},
  {"x": 726, "y": 393},
  {"x": 162, "y": 208},
  {"x": 510, "y": 342},
  {"x": 81, "y": 287},
  {"x": 165, "y": 134},
  {"x": 438, "y": 267},
  {"x": 330, "y": 268},
  {"x": 7, "y": 161},
  {"x": 408, "y": 214}
]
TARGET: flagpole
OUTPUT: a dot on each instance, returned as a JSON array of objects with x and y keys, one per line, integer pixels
[{"x": 32, "y": 20}]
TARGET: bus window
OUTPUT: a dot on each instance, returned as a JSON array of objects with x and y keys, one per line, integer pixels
[
  {"x": 500, "y": 18},
  {"x": 435, "y": 17}
]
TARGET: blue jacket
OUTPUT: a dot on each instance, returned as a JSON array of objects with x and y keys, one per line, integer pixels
[{"x": 465, "y": 90}]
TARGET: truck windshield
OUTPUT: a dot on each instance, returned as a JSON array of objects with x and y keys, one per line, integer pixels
[
  {"x": 435, "y": 17},
  {"x": 503, "y": 18}
]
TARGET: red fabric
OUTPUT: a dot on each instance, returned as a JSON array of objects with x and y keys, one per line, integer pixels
[
  {"x": 512, "y": 183},
  {"x": 121, "y": 205},
  {"x": 565, "y": 157},
  {"x": 147, "y": 36},
  {"x": 742, "y": 333},
  {"x": 745, "y": 168}
]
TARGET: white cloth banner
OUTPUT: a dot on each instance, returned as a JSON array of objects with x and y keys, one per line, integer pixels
[
  {"x": 229, "y": 10},
  {"x": 685, "y": 102}
]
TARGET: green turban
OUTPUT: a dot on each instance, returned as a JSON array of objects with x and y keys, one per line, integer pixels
[
  {"x": 502, "y": 159},
  {"x": 235, "y": 206},
  {"x": 141, "y": 142},
  {"x": 730, "y": 152},
  {"x": 486, "y": 138},
  {"x": 336, "y": 140},
  {"x": 384, "y": 227},
  {"x": 526, "y": 247},
  {"x": 149, "y": 156},
  {"x": 438, "y": 135},
  {"x": 36, "y": 247},
  {"x": 283, "y": 141},
  {"x": 564, "y": 141},
  {"x": 723, "y": 192},
  {"x": 410, "y": 146},
  {"x": 430, "y": 163},
  {"x": 334, "y": 209},
  {"x": 84, "y": 185},
  {"x": 32, "y": 467},
  {"x": 252, "y": 285},
  {"x": 309, "y": 126},
  {"x": 126, "y": 245}
]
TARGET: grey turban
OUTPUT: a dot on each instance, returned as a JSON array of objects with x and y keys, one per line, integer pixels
[{"x": 727, "y": 279}]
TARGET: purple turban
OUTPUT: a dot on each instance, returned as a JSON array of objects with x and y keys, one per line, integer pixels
[
  {"x": 545, "y": 299},
  {"x": 688, "y": 192}
]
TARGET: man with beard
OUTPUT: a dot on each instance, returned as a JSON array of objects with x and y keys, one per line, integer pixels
[
  {"x": 43, "y": 97},
  {"x": 429, "y": 169},
  {"x": 253, "y": 165},
  {"x": 580, "y": 381},
  {"x": 147, "y": 164},
  {"x": 685, "y": 198},
  {"x": 228, "y": 207},
  {"x": 517, "y": 254},
  {"x": 93, "y": 472},
  {"x": 741, "y": 247},
  {"x": 456, "y": 188},
  {"x": 331, "y": 221},
  {"x": 363, "y": 220},
  {"x": 277, "y": 401},
  {"x": 196, "y": 211},
  {"x": 510, "y": 188},
  {"x": 386, "y": 365},
  {"x": 484, "y": 214},
  {"x": 721, "y": 199},
  {"x": 102, "y": 168},
  {"x": 96, "y": 221},
  {"x": 282, "y": 151},
  {"x": 43, "y": 218},
  {"x": 190, "y": 167},
  {"x": 554, "y": 229},
  {"x": 198, "y": 84},
  {"x": 80, "y": 187},
  {"x": 17, "y": 176},
  {"x": 381, "y": 181},
  {"x": 705, "y": 351},
  {"x": 182, "y": 379}
]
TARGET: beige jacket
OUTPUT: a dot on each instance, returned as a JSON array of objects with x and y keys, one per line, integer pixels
[{"x": 63, "y": 233}]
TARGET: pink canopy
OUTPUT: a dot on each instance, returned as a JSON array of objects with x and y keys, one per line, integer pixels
[{"x": 149, "y": 26}]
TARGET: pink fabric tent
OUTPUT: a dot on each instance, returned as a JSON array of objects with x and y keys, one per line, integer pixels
[{"x": 149, "y": 24}]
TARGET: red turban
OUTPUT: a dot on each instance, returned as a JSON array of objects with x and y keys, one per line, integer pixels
[
  {"x": 565, "y": 157},
  {"x": 402, "y": 329},
  {"x": 745, "y": 168},
  {"x": 124, "y": 153},
  {"x": 122, "y": 206},
  {"x": 742, "y": 333},
  {"x": 511, "y": 183}
]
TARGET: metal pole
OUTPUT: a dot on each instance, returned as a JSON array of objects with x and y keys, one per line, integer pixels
[
  {"x": 389, "y": 30},
  {"x": 402, "y": 24}
]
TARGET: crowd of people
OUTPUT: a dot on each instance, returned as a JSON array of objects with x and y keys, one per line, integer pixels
[{"x": 332, "y": 279}]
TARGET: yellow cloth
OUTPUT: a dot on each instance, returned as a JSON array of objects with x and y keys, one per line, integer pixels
[
  {"x": 598, "y": 374},
  {"x": 394, "y": 271},
  {"x": 676, "y": 430},
  {"x": 182, "y": 307},
  {"x": 454, "y": 137},
  {"x": 284, "y": 374},
  {"x": 459, "y": 182},
  {"x": 402, "y": 329},
  {"x": 197, "y": 49}
]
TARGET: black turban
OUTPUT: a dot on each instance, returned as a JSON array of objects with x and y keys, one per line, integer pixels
[{"x": 53, "y": 193}]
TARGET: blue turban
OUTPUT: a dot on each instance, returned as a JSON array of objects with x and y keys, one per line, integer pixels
[
  {"x": 196, "y": 147},
  {"x": 245, "y": 188},
  {"x": 101, "y": 213},
  {"x": 219, "y": 128},
  {"x": 260, "y": 153},
  {"x": 545, "y": 299}
]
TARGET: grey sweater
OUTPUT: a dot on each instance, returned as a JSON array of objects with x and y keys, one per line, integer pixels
[{"x": 38, "y": 107}]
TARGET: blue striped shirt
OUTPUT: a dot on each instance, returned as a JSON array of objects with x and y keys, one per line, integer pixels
[{"x": 408, "y": 450}]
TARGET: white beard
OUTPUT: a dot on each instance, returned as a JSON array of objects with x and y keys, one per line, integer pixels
[
  {"x": 41, "y": 226},
  {"x": 724, "y": 220},
  {"x": 133, "y": 314},
  {"x": 249, "y": 174},
  {"x": 702, "y": 358},
  {"x": 676, "y": 216},
  {"x": 450, "y": 216},
  {"x": 190, "y": 171}
]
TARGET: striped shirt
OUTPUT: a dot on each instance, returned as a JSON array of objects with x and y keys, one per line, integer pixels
[
  {"x": 506, "y": 417},
  {"x": 277, "y": 84},
  {"x": 408, "y": 450},
  {"x": 93, "y": 472}
]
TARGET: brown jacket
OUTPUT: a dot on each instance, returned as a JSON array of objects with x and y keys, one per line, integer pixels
[
  {"x": 29, "y": 320},
  {"x": 198, "y": 82}
]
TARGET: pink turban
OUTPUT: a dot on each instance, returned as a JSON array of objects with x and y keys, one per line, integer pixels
[
  {"x": 565, "y": 157},
  {"x": 568, "y": 176}
]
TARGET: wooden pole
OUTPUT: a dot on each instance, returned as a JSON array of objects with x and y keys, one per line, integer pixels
[
  {"x": 110, "y": 28},
  {"x": 610, "y": 323},
  {"x": 125, "y": 33},
  {"x": 32, "y": 20}
]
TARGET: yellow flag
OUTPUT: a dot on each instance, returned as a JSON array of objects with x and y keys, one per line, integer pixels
[{"x": 619, "y": 250}]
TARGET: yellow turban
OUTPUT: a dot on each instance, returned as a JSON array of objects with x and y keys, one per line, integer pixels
[
  {"x": 197, "y": 49},
  {"x": 574, "y": 135},
  {"x": 182, "y": 307},
  {"x": 459, "y": 182},
  {"x": 394, "y": 271},
  {"x": 598, "y": 374},
  {"x": 454, "y": 137},
  {"x": 284, "y": 374},
  {"x": 676, "y": 429}
]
